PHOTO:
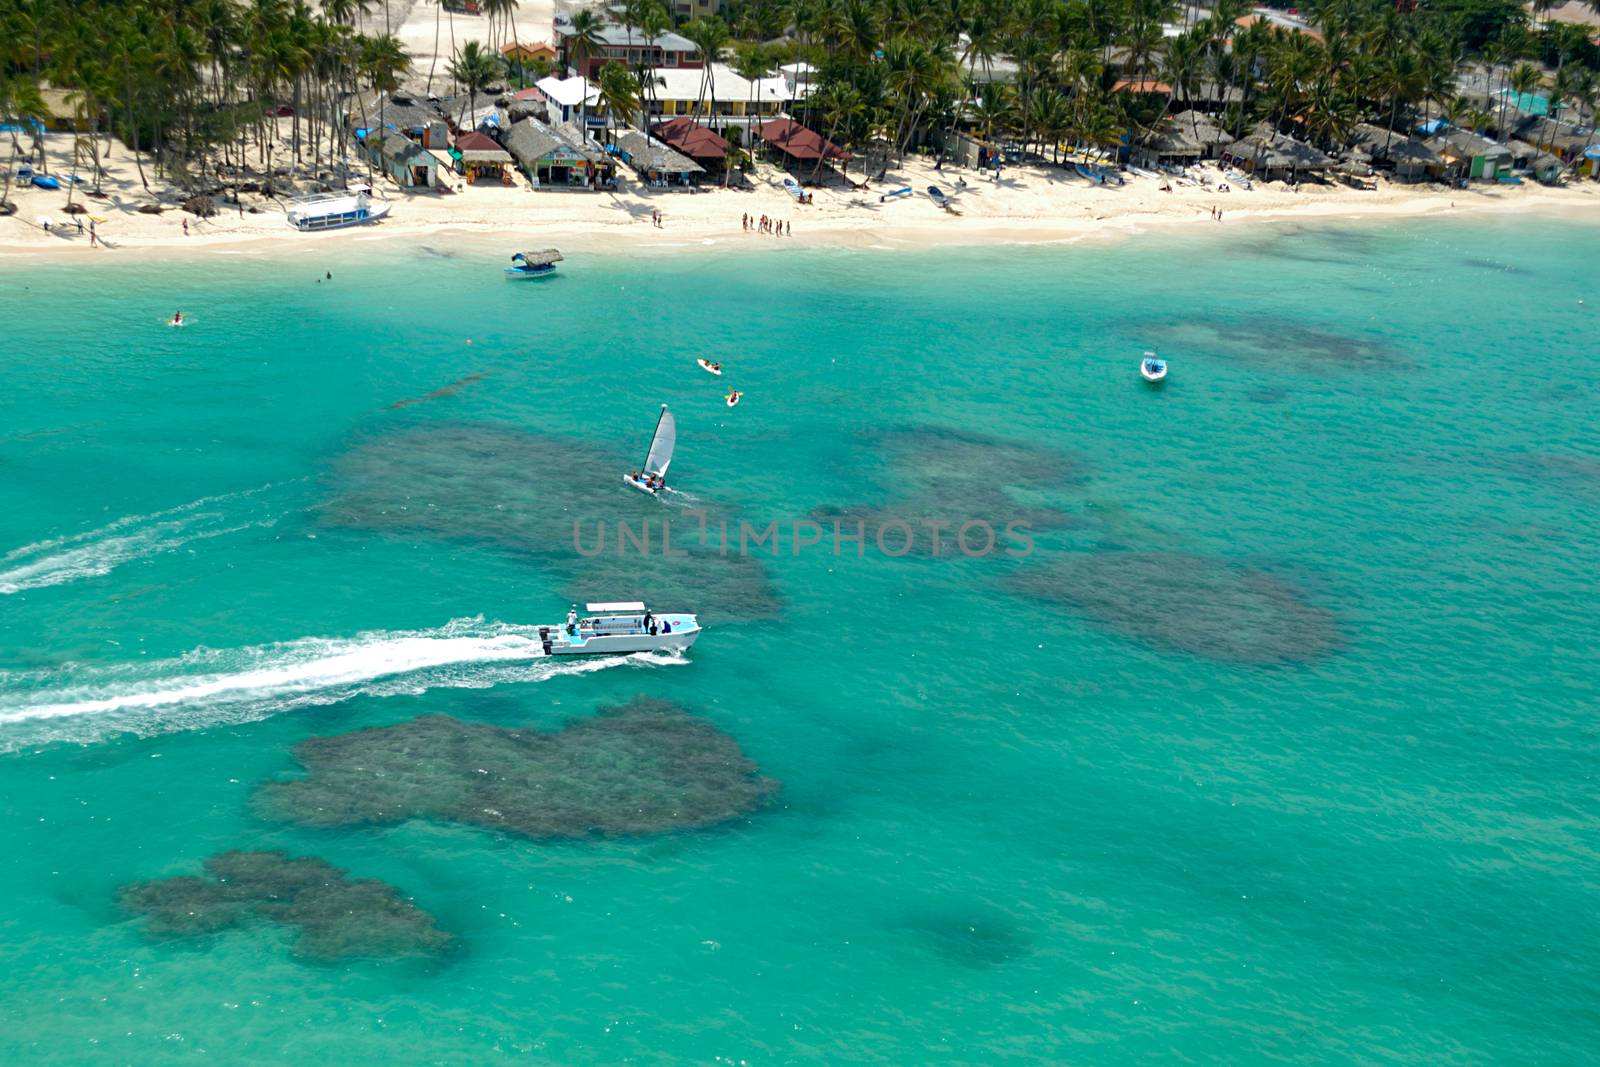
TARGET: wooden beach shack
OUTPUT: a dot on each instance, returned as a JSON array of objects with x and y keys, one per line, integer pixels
[
  {"x": 481, "y": 159},
  {"x": 1181, "y": 139},
  {"x": 1274, "y": 156},
  {"x": 1469, "y": 155},
  {"x": 556, "y": 157},
  {"x": 655, "y": 162},
  {"x": 1409, "y": 158},
  {"x": 406, "y": 162}
]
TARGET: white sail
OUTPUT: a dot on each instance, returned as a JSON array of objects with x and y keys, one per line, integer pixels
[{"x": 662, "y": 444}]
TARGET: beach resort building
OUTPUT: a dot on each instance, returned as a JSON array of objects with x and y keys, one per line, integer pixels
[
  {"x": 730, "y": 102},
  {"x": 669, "y": 51},
  {"x": 566, "y": 98},
  {"x": 556, "y": 156},
  {"x": 656, "y": 163}
]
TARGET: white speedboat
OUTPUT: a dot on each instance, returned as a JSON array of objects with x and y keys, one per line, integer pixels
[
  {"x": 652, "y": 477},
  {"x": 332, "y": 211},
  {"x": 619, "y": 629},
  {"x": 1152, "y": 368}
]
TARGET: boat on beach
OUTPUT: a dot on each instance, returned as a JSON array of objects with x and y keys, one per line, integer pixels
[
  {"x": 938, "y": 196},
  {"x": 618, "y": 629},
  {"x": 1152, "y": 368},
  {"x": 540, "y": 264},
  {"x": 652, "y": 477},
  {"x": 333, "y": 211}
]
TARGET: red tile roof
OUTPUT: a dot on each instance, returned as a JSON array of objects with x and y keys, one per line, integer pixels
[
  {"x": 692, "y": 139},
  {"x": 799, "y": 142}
]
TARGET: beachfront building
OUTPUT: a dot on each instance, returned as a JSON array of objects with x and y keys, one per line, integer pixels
[
  {"x": 481, "y": 160},
  {"x": 1410, "y": 159},
  {"x": 802, "y": 149},
  {"x": 1275, "y": 156},
  {"x": 418, "y": 122},
  {"x": 656, "y": 163},
  {"x": 566, "y": 99},
  {"x": 404, "y": 161},
  {"x": 669, "y": 51},
  {"x": 730, "y": 102},
  {"x": 1185, "y": 138},
  {"x": 525, "y": 54},
  {"x": 1470, "y": 155},
  {"x": 556, "y": 156},
  {"x": 687, "y": 137}
]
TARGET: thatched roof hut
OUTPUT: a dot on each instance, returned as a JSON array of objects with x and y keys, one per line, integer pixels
[
  {"x": 1409, "y": 157},
  {"x": 1267, "y": 152},
  {"x": 654, "y": 160},
  {"x": 1187, "y": 136}
]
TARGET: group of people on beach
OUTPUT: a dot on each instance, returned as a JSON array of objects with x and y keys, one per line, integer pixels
[
  {"x": 655, "y": 218},
  {"x": 1216, "y": 213},
  {"x": 776, "y": 227}
]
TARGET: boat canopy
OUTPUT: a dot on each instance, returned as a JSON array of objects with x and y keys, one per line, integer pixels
[
  {"x": 662, "y": 444},
  {"x": 618, "y": 606},
  {"x": 542, "y": 258}
]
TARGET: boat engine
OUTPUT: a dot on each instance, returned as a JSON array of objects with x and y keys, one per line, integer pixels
[{"x": 544, "y": 638}]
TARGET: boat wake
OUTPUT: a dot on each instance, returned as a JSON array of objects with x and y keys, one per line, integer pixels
[
  {"x": 97, "y": 552},
  {"x": 210, "y": 687}
]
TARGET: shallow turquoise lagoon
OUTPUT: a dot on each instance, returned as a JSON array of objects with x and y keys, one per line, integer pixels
[{"x": 1279, "y": 745}]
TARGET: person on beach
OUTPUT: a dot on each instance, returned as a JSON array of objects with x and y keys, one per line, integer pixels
[{"x": 186, "y": 227}]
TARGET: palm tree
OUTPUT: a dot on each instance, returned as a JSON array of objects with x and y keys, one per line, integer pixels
[
  {"x": 710, "y": 38},
  {"x": 752, "y": 63},
  {"x": 582, "y": 42},
  {"x": 475, "y": 68},
  {"x": 619, "y": 91}
]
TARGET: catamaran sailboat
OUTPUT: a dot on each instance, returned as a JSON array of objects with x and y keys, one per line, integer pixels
[
  {"x": 618, "y": 629},
  {"x": 652, "y": 477}
]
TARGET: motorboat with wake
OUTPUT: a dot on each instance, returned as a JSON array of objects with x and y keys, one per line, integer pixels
[
  {"x": 1152, "y": 368},
  {"x": 652, "y": 477},
  {"x": 618, "y": 629},
  {"x": 540, "y": 264}
]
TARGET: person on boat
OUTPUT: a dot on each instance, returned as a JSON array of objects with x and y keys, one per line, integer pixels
[
  {"x": 177, "y": 318},
  {"x": 716, "y": 366}
]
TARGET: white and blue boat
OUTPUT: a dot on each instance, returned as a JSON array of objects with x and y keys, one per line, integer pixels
[
  {"x": 1152, "y": 368},
  {"x": 938, "y": 196},
  {"x": 333, "y": 211},
  {"x": 540, "y": 264},
  {"x": 619, "y": 629}
]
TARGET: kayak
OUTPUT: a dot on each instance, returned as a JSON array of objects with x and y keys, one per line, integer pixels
[
  {"x": 709, "y": 367},
  {"x": 734, "y": 398}
]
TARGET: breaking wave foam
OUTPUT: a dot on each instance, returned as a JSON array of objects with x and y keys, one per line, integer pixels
[
  {"x": 209, "y": 687},
  {"x": 93, "y": 553}
]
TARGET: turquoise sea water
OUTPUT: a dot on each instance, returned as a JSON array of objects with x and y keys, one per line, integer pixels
[{"x": 1279, "y": 747}]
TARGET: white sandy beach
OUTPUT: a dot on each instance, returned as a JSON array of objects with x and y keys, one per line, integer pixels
[{"x": 1031, "y": 204}]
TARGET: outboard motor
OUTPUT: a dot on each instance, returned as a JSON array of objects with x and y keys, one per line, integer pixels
[{"x": 544, "y": 638}]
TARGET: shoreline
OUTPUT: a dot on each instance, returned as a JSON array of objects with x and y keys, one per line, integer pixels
[{"x": 1036, "y": 207}]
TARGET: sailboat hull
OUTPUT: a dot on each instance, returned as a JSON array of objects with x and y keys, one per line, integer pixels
[{"x": 639, "y": 485}]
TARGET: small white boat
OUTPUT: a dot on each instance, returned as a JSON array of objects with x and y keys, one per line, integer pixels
[
  {"x": 540, "y": 264},
  {"x": 617, "y": 629},
  {"x": 710, "y": 368},
  {"x": 733, "y": 398},
  {"x": 1152, "y": 368},
  {"x": 652, "y": 477},
  {"x": 332, "y": 211}
]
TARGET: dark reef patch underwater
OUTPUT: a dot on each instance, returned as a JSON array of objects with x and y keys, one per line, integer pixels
[
  {"x": 336, "y": 916},
  {"x": 941, "y": 478},
  {"x": 534, "y": 496},
  {"x": 1223, "y": 611},
  {"x": 645, "y": 767}
]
